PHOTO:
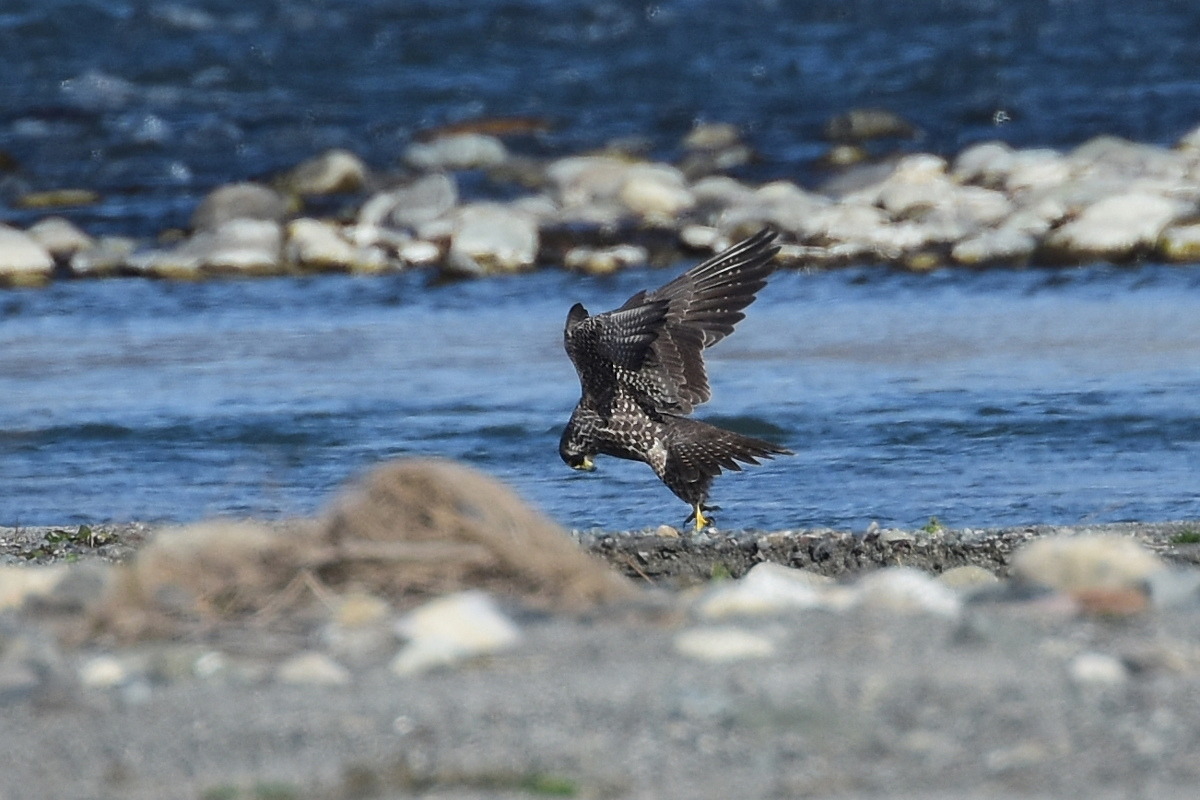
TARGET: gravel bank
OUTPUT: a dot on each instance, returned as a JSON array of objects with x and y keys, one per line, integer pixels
[{"x": 1012, "y": 697}]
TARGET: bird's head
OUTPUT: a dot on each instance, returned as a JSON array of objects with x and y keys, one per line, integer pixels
[{"x": 573, "y": 450}]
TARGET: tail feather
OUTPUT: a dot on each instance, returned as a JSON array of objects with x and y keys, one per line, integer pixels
[{"x": 700, "y": 450}]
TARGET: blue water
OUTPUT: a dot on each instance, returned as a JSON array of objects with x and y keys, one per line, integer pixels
[
  {"x": 994, "y": 398},
  {"x": 154, "y": 103},
  {"x": 980, "y": 398}
]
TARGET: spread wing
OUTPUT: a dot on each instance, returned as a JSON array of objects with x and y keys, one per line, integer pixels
[
  {"x": 653, "y": 345},
  {"x": 702, "y": 306}
]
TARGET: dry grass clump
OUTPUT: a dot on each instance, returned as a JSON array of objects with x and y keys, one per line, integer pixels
[
  {"x": 410, "y": 529},
  {"x": 429, "y": 526}
]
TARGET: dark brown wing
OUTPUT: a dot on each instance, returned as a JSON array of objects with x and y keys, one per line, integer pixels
[
  {"x": 611, "y": 346},
  {"x": 702, "y": 306}
]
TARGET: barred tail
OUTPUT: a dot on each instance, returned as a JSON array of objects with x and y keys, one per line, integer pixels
[{"x": 697, "y": 452}]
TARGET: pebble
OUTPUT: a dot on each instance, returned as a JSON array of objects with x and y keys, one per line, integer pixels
[
  {"x": 1180, "y": 243},
  {"x": 457, "y": 151},
  {"x": 60, "y": 237},
  {"x": 767, "y": 588},
  {"x": 23, "y": 262},
  {"x": 904, "y": 590},
  {"x": 605, "y": 260},
  {"x": 967, "y": 578},
  {"x": 1097, "y": 669},
  {"x": 109, "y": 256},
  {"x": 655, "y": 192},
  {"x": 237, "y": 246},
  {"x": 723, "y": 643},
  {"x": 451, "y": 629},
  {"x": 103, "y": 672},
  {"x": 1115, "y": 227},
  {"x": 422, "y": 200},
  {"x": 239, "y": 201},
  {"x": 332, "y": 172},
  {"x": 313, "y": 669},
  {"x": 1074, "y": 563},
  {"x": 495, "y": 237},
  {"x": 315, "y": 245},
  {"x": 20, "y": 584}
]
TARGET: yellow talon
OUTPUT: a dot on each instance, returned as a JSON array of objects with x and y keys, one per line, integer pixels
[{"x": 702, "y": 522}]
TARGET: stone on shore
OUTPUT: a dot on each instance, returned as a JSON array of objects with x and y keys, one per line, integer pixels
[
  {"x": 1115, "y": 228},
  {"x": 494, "y": 238},
  {"x": 317, "y": 246},
  {"x": 1180, "y": 243},
  {"x": 60, "y": 237},
  {"x": 23, "y": 262},
  {"x": 766, "y": 589},
  {"x": 109, "y": 256},
  {"x": 408, "y": 206},
  {"x": 238, "y": 246},
  {"x": 718, "y": 644},
  {"x": 1080, "y": 563},
  {"x": 239, "y": 201},
  {"x": 331, "y": 172},
  {"x": 451, "y": 629},
  {"x": 457, "y": 151}
]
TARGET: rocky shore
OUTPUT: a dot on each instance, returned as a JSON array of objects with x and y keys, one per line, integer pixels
[
  {"x": 464, "y": 204},
  {"x": 429, "y": 635}
]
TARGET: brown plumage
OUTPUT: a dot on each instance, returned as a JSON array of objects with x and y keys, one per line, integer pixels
[{"x": 641, "y": 368}]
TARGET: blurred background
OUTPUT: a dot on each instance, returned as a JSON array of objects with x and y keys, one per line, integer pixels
[{"x": 980, "y": 398}]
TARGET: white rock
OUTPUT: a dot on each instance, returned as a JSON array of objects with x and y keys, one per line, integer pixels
[
  {"x": 1181, "y": 243},
  {"x": 239, "y": 245},
  {"x": 605, "y": 260},
  {"x": 239, "y": 201},
  {"x": 22, "y": 260},
  {"x": 19, "y": 584},
  {"x": 1037, "y": 170},
  {"x": 407, "y": 207},
  {"x": 766, "y": 589},
  {"x": 103, "y": 672},
  {"x": 313, "y": 668},
  {"x": 655, "y": 191},
  {"x": 450, "y": 629},
  {"x": 419, "y": 252},
  {"x": 994, "y": 245},
  {"x": 1116, "y": 226},
  {"x": 495, "y": 236},
  {"x": 781, "y": 204},
  {"x": 586, "y": 180},
  {"x": 457, "y": 151},
  {"x": 329, "y": 173},
  {"x": 905, "y": 590},
  {"x": 60, "y": 237},
  {"x": 316, "y": 245},
  {"x": 718, "y": 644},
  {"x": 967, "y": 578},
  {"x": 702, "y": 237},
  {"x": 1072, "y": 563},
  {"x": 111, "y": 253},
  {"x": 987, "y": 162},
  {"x": 721, "y": 191},
  {"x": 1097, "y": 669}
]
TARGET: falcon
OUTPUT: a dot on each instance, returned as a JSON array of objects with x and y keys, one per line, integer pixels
[{"x": 641, "y": 369}]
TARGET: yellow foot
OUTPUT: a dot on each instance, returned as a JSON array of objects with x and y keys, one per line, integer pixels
[{"x": 702, "y": 521}]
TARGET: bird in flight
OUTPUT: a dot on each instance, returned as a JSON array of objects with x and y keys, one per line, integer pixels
[{"x": 641, "y": 368}]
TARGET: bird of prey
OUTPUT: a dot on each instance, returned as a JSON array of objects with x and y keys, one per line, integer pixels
[{"x": 641, "y": 368}]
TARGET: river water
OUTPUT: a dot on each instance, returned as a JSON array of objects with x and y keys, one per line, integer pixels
[{"x": 981, "y": 398}]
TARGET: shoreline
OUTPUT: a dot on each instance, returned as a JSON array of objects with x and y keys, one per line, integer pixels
[
  {"x": 990, "y": 205},
  {"x": 676, "y": 560}
]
